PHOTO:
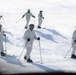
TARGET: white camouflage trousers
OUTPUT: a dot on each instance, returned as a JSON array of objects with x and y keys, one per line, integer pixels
[
  {"x": 27, "y": 22},
  {"x": 1, "y": 46},
  {"x": 40, "y": 22},
  {"x": 28, "y": 49},
  {"x": 74, "y": 49}
]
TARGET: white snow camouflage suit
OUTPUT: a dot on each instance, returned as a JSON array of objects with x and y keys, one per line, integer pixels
[
  {"x": 28, "y": 16},
  {"x": 40, "y": 19},
  {"x": 1, "y": 41},
  {"x": 73, "y": 43},
  {"x": 29, "y": 34}
]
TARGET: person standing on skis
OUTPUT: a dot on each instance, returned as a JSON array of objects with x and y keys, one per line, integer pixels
[
  {"x": 40, "y": 19},
  {"x": 1, "y": 41},
  {"x": 29, "y": 37},
  {"x": 74, "y": 44},
  {"x": 28, "y": 15}
]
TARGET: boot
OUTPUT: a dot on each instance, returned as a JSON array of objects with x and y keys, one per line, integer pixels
[
  {"x": 3, "y": 54},
  {"x": 25, "y": 27},
  {"x": 39, "y": 27},
  {"x": 29, "y": 60},
  {"x": 25, "y": 57},
  {"x": 73, "y": 56}
]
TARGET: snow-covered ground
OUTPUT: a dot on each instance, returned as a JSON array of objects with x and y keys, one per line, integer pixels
[{"x": 59, "y": 24}]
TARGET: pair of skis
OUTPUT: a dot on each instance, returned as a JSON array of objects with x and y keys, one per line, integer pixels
[{"x": 40, "y": 62}]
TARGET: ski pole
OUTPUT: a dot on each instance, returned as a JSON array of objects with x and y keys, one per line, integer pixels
[
  {"x": 18, "y": 20},
  {"x": 5, "y": 45},
  {"x": 69, "y": 50},
  {"x": 34, "y": 21},
  {"x": 22, "y": 51},
  {"x": 40, "y": 52}
]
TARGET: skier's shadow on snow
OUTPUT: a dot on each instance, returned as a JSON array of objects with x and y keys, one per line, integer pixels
[
  {"x": 47, "y": 69},
  {"x": 47, "y": 36},
  {"x": 13, "y": 60},
  {"x": 7, "y": 40},
  {"x": 7, "y": 32},
  {"x": 56, "y": 33}
]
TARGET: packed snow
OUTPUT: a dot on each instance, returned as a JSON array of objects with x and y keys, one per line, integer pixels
[{"x": 55, "y": 35}]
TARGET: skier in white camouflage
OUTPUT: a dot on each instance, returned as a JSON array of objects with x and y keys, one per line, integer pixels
[
  {"x": 74, "y": 44},
  {"x": 40, "y": 19},
  {"x": 28, "y": 15},
  {"x": 29, "y": 37},
  {"x": 1, "y": 41}
]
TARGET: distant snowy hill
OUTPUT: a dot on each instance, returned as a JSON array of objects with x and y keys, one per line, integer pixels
[{"x": 56, "y": 34}]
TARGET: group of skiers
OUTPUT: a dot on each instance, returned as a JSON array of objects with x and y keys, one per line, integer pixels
[
  {"x": 30, "y": 35},
  {"x": 28, "y": 14}
]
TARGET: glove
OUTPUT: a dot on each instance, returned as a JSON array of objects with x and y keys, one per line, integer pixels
[
  {"x": 43, "y": 17},
  {"x": 33, "y": 16},
  {"x": 28, "y": 39},
  {"x": 4, "y": 34},
  {"x": 0, "y": 16},
  {"x": 75, "y": 41},
  {"x": 38, "y": 38},
  {"x": 23, "y": 16}
]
